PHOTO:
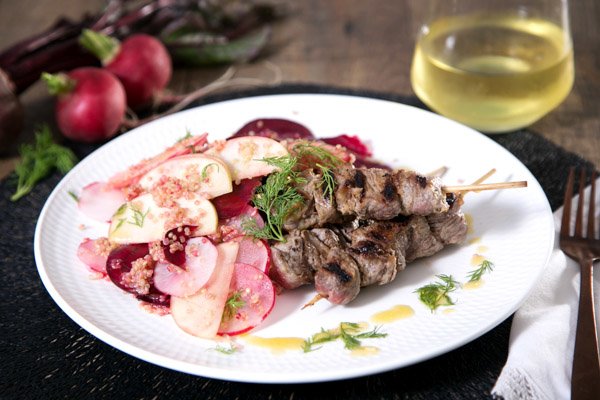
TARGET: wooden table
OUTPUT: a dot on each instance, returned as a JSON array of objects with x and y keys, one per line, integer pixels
[{"x": 347, "y": 43}]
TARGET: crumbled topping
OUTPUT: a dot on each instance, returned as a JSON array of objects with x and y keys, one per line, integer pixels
[
  {"x": 138, "y": 278},
  {"x": 156, "y": 251},
  {"x": 103, "y": 246}
]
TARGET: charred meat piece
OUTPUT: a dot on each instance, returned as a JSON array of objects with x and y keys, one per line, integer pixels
[
  {"x": 366, "y": 193},
  {"x": 341, "y": 260}
]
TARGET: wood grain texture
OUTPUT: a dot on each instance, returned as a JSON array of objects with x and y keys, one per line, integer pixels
[{"x": 346, "y": 43}]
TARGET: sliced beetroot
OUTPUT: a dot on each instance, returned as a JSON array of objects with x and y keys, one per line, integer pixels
[
  {"x": 200, "y": 262},
  {"x": 254, "y": 252},
  {"x": 275, "y": 128},
  {"x": 90, "y": 253},
  {"x": 232, "y": 204},
  {"x": 119, "y": 263},
  {"x": 155, "y": 297},
  {"x": 254, "y": 294},
  {"x": 352, "y": 143},
  {"x": 174, "y": 244},
  {"x": 100, "y": 201}
]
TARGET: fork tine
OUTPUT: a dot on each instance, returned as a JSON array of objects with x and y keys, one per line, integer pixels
[
  {"x": 580, "y": 201},
  {"x": 566, "y": 217}
]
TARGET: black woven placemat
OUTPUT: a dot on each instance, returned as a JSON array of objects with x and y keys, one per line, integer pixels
[{"x": 46, "y": 355}]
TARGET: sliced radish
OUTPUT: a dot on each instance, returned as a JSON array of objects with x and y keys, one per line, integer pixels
[
  {"x": 234, "y": 227},
  {"x": 200, "y": 314},
  {"x": 254, "y": 252},
  {"x": 200, "y": 261},
  {"x": 232, "y": 204},
  {"x": 91, "y": 253},
  {"x": 255, "y": 295},
  {"x": 133, "y": 174},
  {"x": 99, "y": 201}
]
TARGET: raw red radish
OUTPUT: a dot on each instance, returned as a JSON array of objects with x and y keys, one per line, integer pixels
[
  {"x": 254, "y": 252},
  {"x": 200, "y": 314},
  {"x": 274, "y": 128},
  {"x": 90, "y": 105},
  {"x": 141, "y": 62},
  {"x": 200, "y": 262},
  {"x": 255, "y": 291},
  {"x": 99, "y": 201},
  {"x": 90, "y": 252},
  {"x": 232, "y": 204},
  {"x": 133, "y": 174}
]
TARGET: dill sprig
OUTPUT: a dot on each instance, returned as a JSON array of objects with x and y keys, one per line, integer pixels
[
  {"x": 233, "y": 303},
  {"x": 138, "y": 217},
  {"x": 204, "y": 173},
  {"x": 73, "y": 196},
  {"x": 485, "y": 266},
  {"x": 436, "y": 294},
  {"x": 38, "y": 160},
  {"x": 304, "y": 148},
  {"x": 350, "y": 333},
  {"x": 276, "y": 198},
  {"x": 226, "y": 350},
  {"x": 327, "y": 181}
]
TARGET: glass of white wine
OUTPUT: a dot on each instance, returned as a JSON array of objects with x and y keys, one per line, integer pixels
[{"x": 494, "y": 65}]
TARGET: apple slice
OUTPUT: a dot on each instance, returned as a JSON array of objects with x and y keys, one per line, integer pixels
[
  {"x": 205, "y": 174},
  {"x": 244, "y": 155},
  {"x": 142, "y": 220},
  {"x": 200, "y": 261},
  {"x": 200, "y": 314}
]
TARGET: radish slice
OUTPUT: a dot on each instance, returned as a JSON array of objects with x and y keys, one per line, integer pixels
[
  {"x": 256, "y": 294},
  {"x": 234, "y": 227},
  {"x": 90, "y": 253},
  {"x": 200, "y": 261},
  {"x": 254, "y": 252},
  {"x": 200, "y": 314},
  {"x": 133, "y": 174},
  {"x": 99, "y": 201}
]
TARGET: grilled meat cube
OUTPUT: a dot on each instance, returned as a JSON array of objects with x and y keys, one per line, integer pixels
[
  {"x": 368, "y": 193},
  {"x": 378, "y": 249},
  {"x": 292, "y": 269},
  {"x": 418, "y": 194},
  {"x": 420, "y": 241},
  {"x": 318, "y": 208}
]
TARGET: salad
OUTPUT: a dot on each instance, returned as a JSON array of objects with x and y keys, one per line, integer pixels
[{"x": 187, "y": 233}]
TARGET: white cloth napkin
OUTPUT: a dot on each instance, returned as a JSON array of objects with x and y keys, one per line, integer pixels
[{"x": 542, "y": 335}]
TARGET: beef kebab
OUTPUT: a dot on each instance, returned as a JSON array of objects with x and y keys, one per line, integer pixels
[
  {"x": 340, "y": 259},
  {"x": 366, "y": 230}
]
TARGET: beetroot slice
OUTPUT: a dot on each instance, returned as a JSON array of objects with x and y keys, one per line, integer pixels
[
  {"x": 352, "y": 143},
  {"x": 232, "y": 204},
  {"x": 256, "y": 292},
  {"x": 275, "y": 128}
]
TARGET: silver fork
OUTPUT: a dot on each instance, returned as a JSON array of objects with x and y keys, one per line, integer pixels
[{"x": 585, "y": 380}]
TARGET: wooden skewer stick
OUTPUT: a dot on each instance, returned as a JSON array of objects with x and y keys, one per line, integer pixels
[
  {"x": 313, "y": 301},
  {"x": 484, "y": 186},
  {"x": 441, "y": 171},
  {"x": 485, "y": 176}
]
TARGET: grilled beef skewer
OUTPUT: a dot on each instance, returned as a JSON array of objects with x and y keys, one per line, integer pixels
[
  {"x": 340, "y": 260},
  {"x": 367, "y": 193}
]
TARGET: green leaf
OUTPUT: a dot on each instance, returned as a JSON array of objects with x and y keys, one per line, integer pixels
[
  {"x": 241, "y": 50},
  {"x": 38, "y": 160}
]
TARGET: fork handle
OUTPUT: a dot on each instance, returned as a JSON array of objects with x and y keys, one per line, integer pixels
[{"x": 585, "y": 379}]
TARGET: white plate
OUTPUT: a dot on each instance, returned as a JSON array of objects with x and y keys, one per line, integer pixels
[{"x": 512, "y": 228}]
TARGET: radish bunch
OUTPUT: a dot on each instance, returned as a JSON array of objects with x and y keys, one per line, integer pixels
[{"x": 92, "y": 102}]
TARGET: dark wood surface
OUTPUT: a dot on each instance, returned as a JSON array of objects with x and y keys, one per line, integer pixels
[{"x": 347, "y": 43}]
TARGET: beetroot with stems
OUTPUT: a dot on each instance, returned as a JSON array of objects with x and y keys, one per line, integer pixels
[
  {"x": 90, "y": 104},
  {"x": 141, "y": 62}
]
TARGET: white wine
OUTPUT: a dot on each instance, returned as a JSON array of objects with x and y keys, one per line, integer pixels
[{"x": 494, "y": 73}]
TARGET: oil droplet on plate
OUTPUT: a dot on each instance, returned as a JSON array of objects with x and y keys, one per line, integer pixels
[
  {"x": 477, "y": 259},
  {"x": 393, "y": 314},
  {"x": 277, "y": 345},
  {"x": 449, "y": 311},
  {"x": 364, "y": 351},
  {"x": 473, "y": 284},
  {"x": 482, "y": 249}
]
